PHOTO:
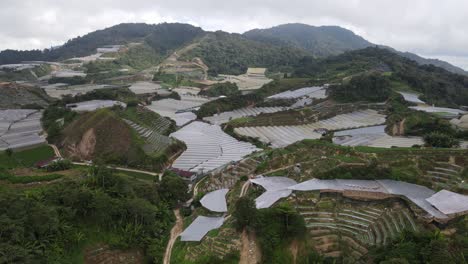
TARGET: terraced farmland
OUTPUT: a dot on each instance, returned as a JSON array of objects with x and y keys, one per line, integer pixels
[
  {"x": 347, "y": 228},
  {"x": 280, "y": 136},
  {"x": 225, "y": 242},
  {"x": 447, "y": 176},
  {"x": 20, "y": 129},
  {"x": 229, "y": 176}
]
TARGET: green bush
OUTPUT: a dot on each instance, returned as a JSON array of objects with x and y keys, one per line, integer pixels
[
  {"x": 440, "y": 140},
  {"x": 226, "y": 89}
]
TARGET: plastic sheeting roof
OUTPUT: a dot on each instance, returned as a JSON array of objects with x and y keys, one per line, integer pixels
[
  {"x": 360, "y": 131},
  {"x": 411, "y": 97},
  {"x": 413, "y": 192},
  {"x": 200, "y": 227},
  {"x": 94, "y": 105},
  {"x": 215, "y": 201},
  {"x": 293, "y": 94},
  {"x": 449, "y": 202},
  {"x": 276, "y": 188}
]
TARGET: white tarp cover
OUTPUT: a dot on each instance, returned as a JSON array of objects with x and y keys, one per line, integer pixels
[
  {"x": 449, "y": 202},
  {"x": 215, "y": 201},
  {"x": 411, "y": 97},
  {"x": 276, "y": 188},
  {"x": 200, "y": 227}
]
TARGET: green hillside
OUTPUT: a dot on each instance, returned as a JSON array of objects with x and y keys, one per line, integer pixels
[
  {"x": 233, "y": 54},
  {"x": 437, "y": 85}
]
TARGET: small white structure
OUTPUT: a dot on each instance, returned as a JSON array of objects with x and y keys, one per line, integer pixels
[
  {"x": 276, "y": 188},
  {"x": 412, "y": 97},
  {"x": 215, "y": 201},
  {"x": 200, "y": 227},
  {"x": 93, "y": 105}
]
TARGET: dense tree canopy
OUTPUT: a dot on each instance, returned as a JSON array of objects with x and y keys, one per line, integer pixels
[
  {"x": 365, "y": 87},
  {"x": 47, "y": 225}
]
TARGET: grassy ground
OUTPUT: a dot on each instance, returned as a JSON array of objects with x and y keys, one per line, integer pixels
[{"x": 26, "y": 158}]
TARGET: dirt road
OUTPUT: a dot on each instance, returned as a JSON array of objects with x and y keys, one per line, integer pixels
[{"x": 175, "y": 232}]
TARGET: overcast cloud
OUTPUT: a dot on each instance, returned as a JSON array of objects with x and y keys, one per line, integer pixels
[{"x": 431, "y": 28}]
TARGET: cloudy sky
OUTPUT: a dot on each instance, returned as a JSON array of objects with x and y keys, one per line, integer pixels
[{"x": 431, "y": 28}]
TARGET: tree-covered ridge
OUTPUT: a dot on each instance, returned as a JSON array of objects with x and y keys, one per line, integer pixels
[
  {"x": 54, "y": 223},
  {"x": 319, "y": 41},
  {"x": 226, "y": 53}
]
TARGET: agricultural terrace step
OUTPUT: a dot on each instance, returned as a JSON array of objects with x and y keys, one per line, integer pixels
[
  {"x": 448, "y": 175},
  {"x": 451, "y": 171}
]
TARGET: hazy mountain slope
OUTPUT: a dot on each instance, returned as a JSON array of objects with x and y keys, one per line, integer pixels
[
  {"x": 320, "y": 41},
  {"x": 330, "y": 40}
]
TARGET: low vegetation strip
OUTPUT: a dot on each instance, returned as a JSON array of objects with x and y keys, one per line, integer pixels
[
  {"x": 29, "y": 179},
  {"x": 25, "y": 158}
]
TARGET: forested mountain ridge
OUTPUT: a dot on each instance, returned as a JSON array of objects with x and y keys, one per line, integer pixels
[
  {"x": 325, "y": 41},
  {"x": 437, "y": 85},
  {"x": 277, "y": 47},
  {"x": 319, "y": 41}
]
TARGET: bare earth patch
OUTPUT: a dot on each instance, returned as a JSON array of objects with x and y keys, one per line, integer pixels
[{"x": 102, "y": 254}]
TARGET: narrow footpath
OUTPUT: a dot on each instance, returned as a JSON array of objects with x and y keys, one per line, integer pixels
[{"x": 175, "y": 232}]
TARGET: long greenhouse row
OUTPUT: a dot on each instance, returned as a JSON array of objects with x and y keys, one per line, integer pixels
[
  {"x": 208, "y": 148},
  {"x": 20, "y": 128},
  {"x": 280, "y": 136},
  {"x": 296, "y": 94}
]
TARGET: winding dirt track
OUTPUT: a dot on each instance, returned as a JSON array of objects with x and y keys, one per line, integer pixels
[{"x": 175, "y": 232}]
